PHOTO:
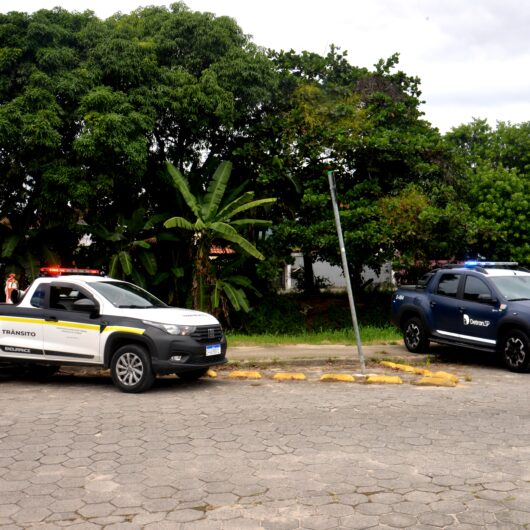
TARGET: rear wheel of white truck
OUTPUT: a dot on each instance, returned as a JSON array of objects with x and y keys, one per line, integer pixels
[{"x": 131, "y": 369}]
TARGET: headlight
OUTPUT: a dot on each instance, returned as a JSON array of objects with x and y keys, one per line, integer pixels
[{"x": 172, "y": 329}]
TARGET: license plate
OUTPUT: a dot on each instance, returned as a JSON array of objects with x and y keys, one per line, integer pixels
[{"x": 213, "y": 349}]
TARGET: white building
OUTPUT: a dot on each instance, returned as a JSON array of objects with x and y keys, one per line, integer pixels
[{"x": 332, "y": 275}]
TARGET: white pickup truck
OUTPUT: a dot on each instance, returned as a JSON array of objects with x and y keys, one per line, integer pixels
[{"x": 74, "y": 318}]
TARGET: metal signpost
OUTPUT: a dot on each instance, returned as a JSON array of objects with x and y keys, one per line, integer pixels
[{"x": 345, "y": 269}]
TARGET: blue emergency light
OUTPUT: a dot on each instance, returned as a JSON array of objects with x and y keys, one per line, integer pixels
[{"x": 491, "y": 264}]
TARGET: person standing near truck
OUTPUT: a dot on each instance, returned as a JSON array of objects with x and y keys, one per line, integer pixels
[{"x": 11, "y": 286}]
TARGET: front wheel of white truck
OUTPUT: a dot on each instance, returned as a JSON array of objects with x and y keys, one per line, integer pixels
[{"x": 131, "y": 369}]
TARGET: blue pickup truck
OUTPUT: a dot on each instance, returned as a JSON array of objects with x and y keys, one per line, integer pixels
[{"x": 480, "y": 305}]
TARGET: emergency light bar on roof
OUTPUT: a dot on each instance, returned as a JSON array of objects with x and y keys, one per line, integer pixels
[
  {"x": 60, "y": 271},
  {"x": 490, "y": 264}
]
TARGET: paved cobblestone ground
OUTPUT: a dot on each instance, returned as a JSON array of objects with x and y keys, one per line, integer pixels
[{"x": 224, "y": 454}]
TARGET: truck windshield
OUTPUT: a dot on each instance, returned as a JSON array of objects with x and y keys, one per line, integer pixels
[
  {"x": 513, "y": 287},
  {"x": 127, "y": 295}
]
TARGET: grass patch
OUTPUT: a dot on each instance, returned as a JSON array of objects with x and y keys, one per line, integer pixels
[{"x": 369, "y": 335}]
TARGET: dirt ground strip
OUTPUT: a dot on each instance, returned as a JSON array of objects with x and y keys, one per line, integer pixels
[{"x": 315, "y": 372}]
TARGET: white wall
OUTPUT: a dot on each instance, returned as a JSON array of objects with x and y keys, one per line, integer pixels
[{"x": 332, "y": 273}]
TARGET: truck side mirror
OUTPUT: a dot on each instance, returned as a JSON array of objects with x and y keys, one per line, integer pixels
[
  {"x": 86, "y": 305},
  {"x": 487, "y": 299},
  {"x": 15, "y": 296}
]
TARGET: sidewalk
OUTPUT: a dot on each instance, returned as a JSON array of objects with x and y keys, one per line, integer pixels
[{"x": 303, "y": 354}]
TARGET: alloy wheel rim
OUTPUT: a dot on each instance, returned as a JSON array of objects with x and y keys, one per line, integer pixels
[
  {"x": 413, "y": 335},
  {"x": 129, "y": 369},
  {"x": 514, "y": 351}
]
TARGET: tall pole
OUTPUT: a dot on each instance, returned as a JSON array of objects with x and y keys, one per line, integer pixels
[{"x": 345, "y": 269}]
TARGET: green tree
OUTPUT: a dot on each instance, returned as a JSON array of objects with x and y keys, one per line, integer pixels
[
  {"x": 423, "y": 228},
  {"x": 40, "y": 188},
  {"x": 364, "y": 125},
  {"x": 495, "y": 173},
  {"x": 214, "y": 222},
  {"x": 90, "y": 110},
  {"x": 499, "y": 201}
]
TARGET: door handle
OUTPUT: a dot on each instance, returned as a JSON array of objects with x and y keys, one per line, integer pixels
[
  {"x": 49, "y": 318},
  {"x": 433, "y": 303}
]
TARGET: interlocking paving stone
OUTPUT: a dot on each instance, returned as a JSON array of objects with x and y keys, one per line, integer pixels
[
  {"x": 221, "y": 454},
  {"x": 397, "y": 520},
  {"x": 436, "y": 519},
  {"x": 30, "y": 515},
  {"x": 7, "y": 510},
  {"x": 411, "y": 508},
  {"x": 359, "y": 521},
  {"x": 373, "y": 508}
]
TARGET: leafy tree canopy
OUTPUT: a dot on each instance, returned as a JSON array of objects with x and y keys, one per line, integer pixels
[
  {"x": 495, "y": 169},
  {"x": 91, "y": 109}
]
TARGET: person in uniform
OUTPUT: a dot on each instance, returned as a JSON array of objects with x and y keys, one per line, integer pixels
[{"x": 11, "y": 285}]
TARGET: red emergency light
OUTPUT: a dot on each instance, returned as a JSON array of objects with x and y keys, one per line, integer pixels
[{"x": 59, "y": 271}]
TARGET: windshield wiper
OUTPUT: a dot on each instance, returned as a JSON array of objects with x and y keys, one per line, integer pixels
[
  {"x": 517, "y": 299},
  {"x": 132, "y": 306}
]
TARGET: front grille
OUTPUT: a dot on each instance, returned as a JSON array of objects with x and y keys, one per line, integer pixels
[{"x": 205, "y": 334}]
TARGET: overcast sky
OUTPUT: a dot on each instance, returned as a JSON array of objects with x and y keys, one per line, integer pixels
[{"x": 472, "y": 56}]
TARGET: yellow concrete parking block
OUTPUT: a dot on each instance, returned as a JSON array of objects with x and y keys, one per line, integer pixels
[
  {"x": 384, "y": 380},
  {"x": 344, "y": 378},
  {"x": 406, "y": 368},
  {"x": 240, "y": 374},
  {"x": 435, "y": 381},
  {"x": 289, "y": 376},
  {"x": 446, "y": 375}
]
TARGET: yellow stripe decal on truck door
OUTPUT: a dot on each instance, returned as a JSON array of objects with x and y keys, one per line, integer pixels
[
  {"x": 24, "y": 320},
  {"x": 67, "y": 324},
  {"x": 61, "y": 323},
  {"x": 125, "y": 329}
]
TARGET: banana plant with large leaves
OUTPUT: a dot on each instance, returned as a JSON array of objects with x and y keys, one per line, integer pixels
[
  {"x": 131, "y": 241},
  {"x": 215, "y": 221},
  {"x": 231, "y": 288},
  {"x": 24, "y": 252}
]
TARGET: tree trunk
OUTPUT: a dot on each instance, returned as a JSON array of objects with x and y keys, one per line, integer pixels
[
  {"x": 309, "y": 276},
  {"x": 356, "y": 278},
  {"x": 201, "y": 286}
]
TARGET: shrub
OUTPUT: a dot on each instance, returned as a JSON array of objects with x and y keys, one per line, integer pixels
[{"x": 299, "y": 313}]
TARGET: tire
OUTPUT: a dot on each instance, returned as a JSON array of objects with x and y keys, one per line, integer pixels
[
  {"x": 131, "y": 369},
  {"x": 515, "y": 350},
  {"x": 192, "y": 375},
  {"x": 415, "y": 336}
]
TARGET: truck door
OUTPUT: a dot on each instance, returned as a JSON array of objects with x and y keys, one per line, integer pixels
[
  {"x": 445, "y": 306},
  {"x": 479, "y": 313},
  {"x": 70, "y": 332},
  {"x": 21, "y": 329}
]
